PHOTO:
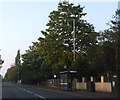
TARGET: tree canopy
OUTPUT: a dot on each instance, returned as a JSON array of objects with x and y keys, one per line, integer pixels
[{"x": 69, "y": 35}]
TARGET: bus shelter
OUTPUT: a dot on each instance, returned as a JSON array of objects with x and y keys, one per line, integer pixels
[{"x": 66, "y": 78}]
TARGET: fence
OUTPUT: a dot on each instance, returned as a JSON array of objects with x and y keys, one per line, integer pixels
[
  {"x": 99, "y": 86},
  {"x": 105, "y": 87}
]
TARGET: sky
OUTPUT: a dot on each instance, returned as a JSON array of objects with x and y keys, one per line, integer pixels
[{"x": 21, "y": 23}]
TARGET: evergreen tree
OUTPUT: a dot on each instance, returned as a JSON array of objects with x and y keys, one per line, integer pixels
[
  {"x": 17, "y": 59},
  {"x": 59, "y": 38},
  {"x": 115, "y": 35},
  {"x": 18, "y": 64}
]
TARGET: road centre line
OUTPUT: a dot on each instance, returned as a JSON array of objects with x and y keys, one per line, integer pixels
[
  {"x": 24, "y": 89},
  {"x": 31, "y": 93},
  {"x": 39, "y": 96}
]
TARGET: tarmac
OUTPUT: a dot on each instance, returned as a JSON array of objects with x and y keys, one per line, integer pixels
[{"x": 84, "y": 93}]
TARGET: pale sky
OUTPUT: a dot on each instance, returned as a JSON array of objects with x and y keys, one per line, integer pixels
[{"x": 21, "y": 23}]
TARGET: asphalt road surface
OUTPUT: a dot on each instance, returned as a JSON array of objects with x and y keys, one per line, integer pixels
[
  {"x": 10, "y": 90},
  {"x": 13, "y": 91}
]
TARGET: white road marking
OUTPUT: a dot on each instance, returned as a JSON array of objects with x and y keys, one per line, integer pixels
[
  {"x": 29, "y": 92},
  {"x": 39, "y": 96},
  {"x": 24, "y": 89}
]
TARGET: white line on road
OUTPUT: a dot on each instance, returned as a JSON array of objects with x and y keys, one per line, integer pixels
[
  {"x": 39, "y": 96},
  {"x": 29, "y": 92},
  {"x": 24, "y": 89}
]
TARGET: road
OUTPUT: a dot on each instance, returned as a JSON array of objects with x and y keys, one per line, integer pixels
[{"x": 10, "y": 90}]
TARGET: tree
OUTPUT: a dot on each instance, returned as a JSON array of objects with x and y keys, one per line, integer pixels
[
  {"x": 48, "y": 56},
  {"x": 18, "y": 64},
  {"x": 115, "y": 28},
  {"x": 57, "y": 46},
  {"x": 17, "y": 59},
  {"x": 115, "y": 35},
  {"x": 33, "y": 71},
  {"x": 14, "y": 72},
  {"x": 109, "y": 41},
  {"x": 11, "y": 74}
]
